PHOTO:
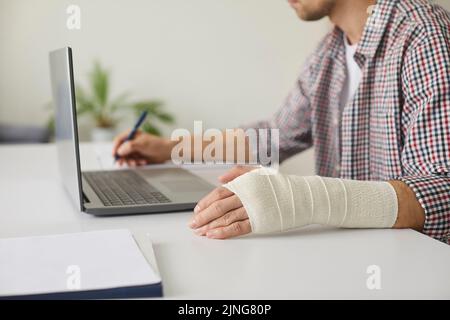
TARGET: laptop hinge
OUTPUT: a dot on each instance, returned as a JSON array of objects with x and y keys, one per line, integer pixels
[{"x": 85, "y": 198}]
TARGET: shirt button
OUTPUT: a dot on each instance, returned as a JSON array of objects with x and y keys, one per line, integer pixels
[
  {"x": 335, "y": 121},
  {"x": 338, "y": 168}
]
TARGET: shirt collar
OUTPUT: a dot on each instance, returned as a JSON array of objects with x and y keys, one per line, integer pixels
[
  {"x": 376, "y": 27},
  {"x": 373, "y": 32}
]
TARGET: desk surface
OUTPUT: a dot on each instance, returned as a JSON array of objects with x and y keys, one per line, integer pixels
[{"x": 315, "y": 262}]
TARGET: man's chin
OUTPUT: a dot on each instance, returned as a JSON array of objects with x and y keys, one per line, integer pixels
[
  {"x": 308, "y": 17},
  {"x": 301, "y": 13},
  {"x": 294, "y": 4},
  {"x": 305, "y": 14},
  {"x": 298, "y": 9}
]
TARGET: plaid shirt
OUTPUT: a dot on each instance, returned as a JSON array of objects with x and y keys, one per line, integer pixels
[{"x": 397, "y": 126}]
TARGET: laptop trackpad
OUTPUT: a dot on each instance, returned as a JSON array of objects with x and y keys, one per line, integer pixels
[
  {"x": 177, "y": 184},
  {"x": 185, "y": 185}
]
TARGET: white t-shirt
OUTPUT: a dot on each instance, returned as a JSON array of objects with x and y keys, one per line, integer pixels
[{"x": 354, "y": 74}]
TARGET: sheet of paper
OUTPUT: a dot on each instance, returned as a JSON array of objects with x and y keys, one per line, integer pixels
[
  {"x": 106, "y": 161},
  {"x": 73, "y": 262},
  {"x": 104, "y": 157}
]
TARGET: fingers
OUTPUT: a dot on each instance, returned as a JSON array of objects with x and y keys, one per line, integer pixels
[
  {"x": 231, "y": 174},
  {"x": 229, "y": 218},
  {"x": 119, "y": 140},
  {"x": 142, "y": 162},
  {"x": 215, "y": 210},
  {"x": 215, "y": 195},
  {"x": 127, "y": 148},
  {"x": 133, "y": 161},
  {"x": 235, "y": 229},
  {"x": 133, "y": 147},
  {"x": 234, "y": 173}
]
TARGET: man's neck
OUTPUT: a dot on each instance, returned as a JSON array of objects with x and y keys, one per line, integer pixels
[{"x": 351, "y": 17}]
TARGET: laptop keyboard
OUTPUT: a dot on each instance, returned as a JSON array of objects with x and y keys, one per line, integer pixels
[{"x": 123, "y": 188}]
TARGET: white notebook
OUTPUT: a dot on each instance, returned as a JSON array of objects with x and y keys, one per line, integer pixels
[{"x": 99, "y": 264}]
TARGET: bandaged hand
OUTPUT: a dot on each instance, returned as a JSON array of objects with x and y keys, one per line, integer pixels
[
  {"x": 220, "y": 215},
  {"x": 264, "y": 203}
]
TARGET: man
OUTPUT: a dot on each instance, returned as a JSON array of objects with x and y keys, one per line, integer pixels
[{"x": 374, "y": 100}]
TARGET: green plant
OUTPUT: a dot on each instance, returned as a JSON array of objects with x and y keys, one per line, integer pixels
[
  {"x": 106, "y": 112},
  {"x": 96, "y": 102},
  {"x": 155, "y": 113},
  {"x": 50, "y": 124}
]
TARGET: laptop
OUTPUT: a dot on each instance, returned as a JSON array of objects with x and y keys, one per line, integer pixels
[{"x": 115, "y": 192}]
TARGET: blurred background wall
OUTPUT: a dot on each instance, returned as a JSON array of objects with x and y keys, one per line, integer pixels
[{"x": 225, "y": 62}]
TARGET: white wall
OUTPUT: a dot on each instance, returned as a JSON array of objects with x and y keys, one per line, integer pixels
[
  {"x": 225, "y": 62},
  {"x": 221, "y": 61}
]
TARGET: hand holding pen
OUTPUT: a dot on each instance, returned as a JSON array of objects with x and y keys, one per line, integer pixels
[
  {"x": 137, "y": 148},
  {"x": 132, "y": 132}
]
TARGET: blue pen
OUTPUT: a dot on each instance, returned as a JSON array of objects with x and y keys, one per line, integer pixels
[{"x": 133, "y": 132}]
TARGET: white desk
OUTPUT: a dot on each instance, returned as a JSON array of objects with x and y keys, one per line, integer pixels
[{"x": 315, "y": 262}]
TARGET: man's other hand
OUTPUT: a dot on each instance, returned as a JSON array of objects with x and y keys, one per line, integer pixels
[
  {"x": 142, "y": 150},
  {"x": 220, "y": 215},
  {"x": 235, "y": 172}
]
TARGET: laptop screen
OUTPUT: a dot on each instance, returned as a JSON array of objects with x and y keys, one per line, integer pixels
[{"x": 66, "y": 131}]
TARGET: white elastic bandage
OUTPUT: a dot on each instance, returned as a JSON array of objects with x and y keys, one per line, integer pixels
[{"x": 277, "y": 202}]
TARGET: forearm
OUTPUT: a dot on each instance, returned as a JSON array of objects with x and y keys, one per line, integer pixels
[
  {"x": 277, "y": 202},
  {"x": 231, "y": 146},
  {"x": 280, "y": 202},
  {"x": 410, "y": 212}
]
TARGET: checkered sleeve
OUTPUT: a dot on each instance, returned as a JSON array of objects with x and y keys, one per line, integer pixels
[
  {"x": 426, "y": 131},
  {"x": 293, "y": 120}
]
